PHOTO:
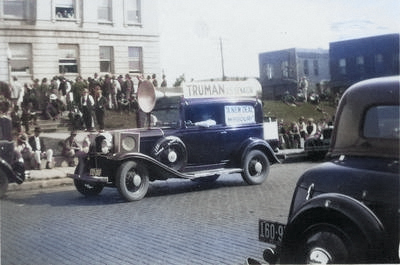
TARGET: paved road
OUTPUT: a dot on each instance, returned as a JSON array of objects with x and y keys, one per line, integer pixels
[{"x": 178, "y": 222}]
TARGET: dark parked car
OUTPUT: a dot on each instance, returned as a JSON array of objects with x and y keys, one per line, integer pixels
[
  {"x": 317, "y": 147},
  {"x": 11, "y": 166},
  {"x": 195, "y": 138},
  {"x": 347, "y": 210}
]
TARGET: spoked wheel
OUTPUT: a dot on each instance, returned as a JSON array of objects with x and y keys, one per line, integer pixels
[
  {"x": 255, "y": 167},
  {"x": 3, "y": 183},
  {"x": 324, "y": 244},
  {"x": 132, "y": 181},
  {"x": 88, "y": 188}
]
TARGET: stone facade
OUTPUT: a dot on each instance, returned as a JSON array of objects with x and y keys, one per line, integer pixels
[{"x": 78, "y": 37}]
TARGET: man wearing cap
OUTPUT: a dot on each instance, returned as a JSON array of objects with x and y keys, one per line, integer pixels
[
  {"x": 39, "y": 150},
  {"x": 72, "y": 149}
]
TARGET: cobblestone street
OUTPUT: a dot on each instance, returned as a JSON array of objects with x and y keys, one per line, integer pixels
[{"x": 178, "y": 222}]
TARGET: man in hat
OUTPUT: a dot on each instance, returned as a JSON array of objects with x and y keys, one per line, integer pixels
[
  {"x": 39, "y": 150},
  {"x": 72, "y": 149}
]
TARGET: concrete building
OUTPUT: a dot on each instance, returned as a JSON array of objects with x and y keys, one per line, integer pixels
[
  {"x": 44, "y": 38},
  {"x": 282, "y": 71},
  {"x": 359, "y": 59}
]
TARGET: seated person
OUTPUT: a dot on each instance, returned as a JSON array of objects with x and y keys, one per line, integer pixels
[
  {"x": 24, "y": 150},
  {"x": 39, "y": 150},
  {"x": 72, "y": 149}
]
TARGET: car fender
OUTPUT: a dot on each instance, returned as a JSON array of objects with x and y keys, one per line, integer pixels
[
  {"x": 330, "y": 205},
  {"x": 7, "y": 169},
  {"x": 260, "y": 144},
  {"x": 159, "y": 170}
]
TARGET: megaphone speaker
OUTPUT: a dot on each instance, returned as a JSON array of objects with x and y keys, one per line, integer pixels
[{"x": 146, "y": 96}]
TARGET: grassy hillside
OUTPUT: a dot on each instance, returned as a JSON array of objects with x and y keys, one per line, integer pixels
[
  {"x": 276, "y": 109},
  {"x": 289, "y": 113}
]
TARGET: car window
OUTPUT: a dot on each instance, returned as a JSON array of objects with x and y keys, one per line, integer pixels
[
  {"x": 382, "y": 122},
  {"x": 210, "y": 113},
  {"x": 166, "y": 112}
]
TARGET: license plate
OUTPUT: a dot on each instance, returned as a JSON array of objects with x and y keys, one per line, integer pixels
[
  {"x": 95, "y": 172},
  {"x": 270, "y": 232}
]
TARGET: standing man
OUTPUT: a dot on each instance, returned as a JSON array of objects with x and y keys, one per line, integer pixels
[
  {"x": 87, "y": 103},
  {"x": 100, "y": 109},
  {"x": 39, "y": 150}
]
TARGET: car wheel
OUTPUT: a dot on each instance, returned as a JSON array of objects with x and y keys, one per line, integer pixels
[
  {"x": 323, "y": 244},
  {"x": 132, "y": 180},
  {"x": 88, "y": 188},
  {"x": 3, "y": 183},
  {"x": 255, "y": 167}
]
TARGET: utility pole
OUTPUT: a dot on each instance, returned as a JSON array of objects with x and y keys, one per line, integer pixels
[{"x": 222, "y": 60}]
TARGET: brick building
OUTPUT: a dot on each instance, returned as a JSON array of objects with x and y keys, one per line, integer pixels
[
  {"x": 44, "y": 38},
  {"x": 281, "y": 71},
  {"x": 359, "y": 59}
]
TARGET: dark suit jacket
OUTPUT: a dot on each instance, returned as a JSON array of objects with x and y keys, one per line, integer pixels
[{"x": 32, "y": 142}]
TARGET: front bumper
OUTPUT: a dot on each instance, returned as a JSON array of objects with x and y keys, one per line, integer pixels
[{"x": 88, "y": 178}]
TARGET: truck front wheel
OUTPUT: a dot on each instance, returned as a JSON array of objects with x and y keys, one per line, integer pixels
[{"x": 132, "y": 180}]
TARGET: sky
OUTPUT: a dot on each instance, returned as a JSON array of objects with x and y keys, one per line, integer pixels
[{"x": 194, "y": 32}]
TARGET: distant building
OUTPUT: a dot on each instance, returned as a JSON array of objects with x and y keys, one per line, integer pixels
[
  {"x": 281, "y": 71},
  {"x": 355, "y": 60},
  {"x": 77, "y": 37}
]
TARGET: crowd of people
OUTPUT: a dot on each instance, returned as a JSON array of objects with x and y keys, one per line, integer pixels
[
  {"x": 85, "y": 101},
  {"x": 294, "y": 134}
]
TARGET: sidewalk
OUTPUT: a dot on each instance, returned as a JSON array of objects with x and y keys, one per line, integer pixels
[{"x": 57, "y": 176}]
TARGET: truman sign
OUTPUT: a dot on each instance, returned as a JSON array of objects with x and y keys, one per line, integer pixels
[{"x": 247, "y": 88}]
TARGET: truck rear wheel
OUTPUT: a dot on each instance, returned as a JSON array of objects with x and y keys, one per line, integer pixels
[
  {"x": 132, "y": 180},
  {"x": 255, "y": 167}
]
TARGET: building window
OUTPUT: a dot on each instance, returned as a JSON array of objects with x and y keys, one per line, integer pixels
[
  {"x": 20, "y": 57},
  {"x": 68, "y": 60},
  {"x": 16, "y": 9},
  {"x": 360, "y": 64},
  {"x": 106, "y": 53},
  {"x": 285, "y": 69},
  {"x": 135, "y": 59},
  {"x": 268, "y": 71},
  {"x": 132, "y": 12},
  {"x": 305, "y": 67},
  {"x": 342, "y": 66},
  {"x": 316, "y": 67},
  {"x": 104, "y": 11},
  {"x": 65, "y": 9}
]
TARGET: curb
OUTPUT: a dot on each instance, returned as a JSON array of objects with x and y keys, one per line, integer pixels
[{"x": 40, "y": 184}]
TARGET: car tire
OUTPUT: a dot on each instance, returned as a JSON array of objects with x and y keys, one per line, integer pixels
[
  {"x": 255, "y": 167},
  {"x": 324, "y": 243},
  {"x": 3, "y": 183},
  {"x": 88, "y": 188},
  {"x": 132, "y": 180}
]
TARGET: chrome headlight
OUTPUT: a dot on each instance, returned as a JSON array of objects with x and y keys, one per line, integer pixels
[
  {"x": 128, "y": 143},
  {"x": 104, "y": 143}
]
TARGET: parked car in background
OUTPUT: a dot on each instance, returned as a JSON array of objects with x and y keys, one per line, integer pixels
[
  {"x": 198, "y": 136},
  {"x": 317, "y": 147},
  {"x": 12, "y": 168},
  {"x": 347, "y": 210}
]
